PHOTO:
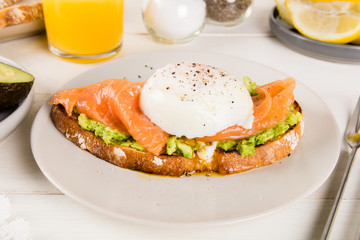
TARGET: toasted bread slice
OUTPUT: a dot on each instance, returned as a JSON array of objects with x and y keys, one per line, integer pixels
[
  {"x": 14, "y": 12},
  {"x": 175, "y": 165}
]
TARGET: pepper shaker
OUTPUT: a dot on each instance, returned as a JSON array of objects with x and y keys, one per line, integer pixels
[
  {"x": 228, "y": 12},
  {"x": 174, "y": 21}
]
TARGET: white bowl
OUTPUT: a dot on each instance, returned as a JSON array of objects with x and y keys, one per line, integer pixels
[{"x": 9, "y": 120}]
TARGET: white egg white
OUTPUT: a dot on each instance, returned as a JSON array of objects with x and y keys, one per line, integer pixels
[{"x": 195, "y": 100}]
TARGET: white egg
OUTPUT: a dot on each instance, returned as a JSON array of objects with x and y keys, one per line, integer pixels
[{"x": 195, "y": 100}]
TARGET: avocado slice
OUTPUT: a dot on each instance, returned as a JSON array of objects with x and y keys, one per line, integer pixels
[{"x": 15, "y": 85}]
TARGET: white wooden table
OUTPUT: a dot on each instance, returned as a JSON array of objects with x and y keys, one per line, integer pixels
[{"x": 53, "y": 215}]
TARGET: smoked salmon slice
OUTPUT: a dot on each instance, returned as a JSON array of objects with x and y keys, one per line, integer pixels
[
  {"x": 67, "y": 98},
  {"x": 115, "y": 103},
  {"x": 262, "y": 103},
  {"x": 95, "y": 102},
  {"x": 271, "y": 106},
  {"x": 145, "y": 132}
]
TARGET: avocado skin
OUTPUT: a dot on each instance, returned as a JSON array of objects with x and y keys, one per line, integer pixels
[{"x": 13, "y": 92}]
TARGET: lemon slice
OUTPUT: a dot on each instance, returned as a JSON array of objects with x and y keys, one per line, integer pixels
[
  {"x": 283, "y": 11},
  {"x": 331, "y": 5},
  {"x": 356, "y": 8},
  {"x": 356, "y": 41},
  {"x": 329, "y": 21}
]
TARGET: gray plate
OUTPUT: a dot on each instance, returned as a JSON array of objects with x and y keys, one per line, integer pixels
[{"x": 347, "y": 53}]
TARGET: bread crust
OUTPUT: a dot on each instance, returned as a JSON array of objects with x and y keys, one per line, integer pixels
[
  {"x": 175, "y": 165},
  {"x": 7, "y": 3},
  {"x": 21, "y": 13}
]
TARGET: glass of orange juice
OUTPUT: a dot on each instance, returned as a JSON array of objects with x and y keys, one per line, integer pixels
[{"x": 84, "y": 30}]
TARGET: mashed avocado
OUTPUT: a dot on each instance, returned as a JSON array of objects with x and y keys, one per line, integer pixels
[
  {"x": 183, "y": 146},
  {"x": 108, "y": 135},
  {"x": 226, "y": 145},
  {"x": 250, "y": 86},
  {"x": 133, "y": 144}
]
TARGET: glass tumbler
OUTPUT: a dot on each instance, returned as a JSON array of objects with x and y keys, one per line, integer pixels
[{"x": 84, "y": 30}]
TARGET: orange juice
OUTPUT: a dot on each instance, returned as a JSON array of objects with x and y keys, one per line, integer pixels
[{"x": 84, "y": 27}]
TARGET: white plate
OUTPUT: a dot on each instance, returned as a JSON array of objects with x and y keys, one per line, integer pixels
[
  {"x": 191, "y": 200},
  {"x": 10, "y": 119}
]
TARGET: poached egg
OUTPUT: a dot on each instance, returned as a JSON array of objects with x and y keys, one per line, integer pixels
[{"x": 196, "y": 100}]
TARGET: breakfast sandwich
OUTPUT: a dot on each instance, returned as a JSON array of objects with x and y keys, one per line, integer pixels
[{"x": 187, "y": 117}]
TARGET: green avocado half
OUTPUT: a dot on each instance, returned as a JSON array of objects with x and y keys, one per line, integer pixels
[{"x": 15, "y": 85}]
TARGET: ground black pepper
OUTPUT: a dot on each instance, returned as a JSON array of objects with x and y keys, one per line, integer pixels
[{"x": 226, "y": 10}]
